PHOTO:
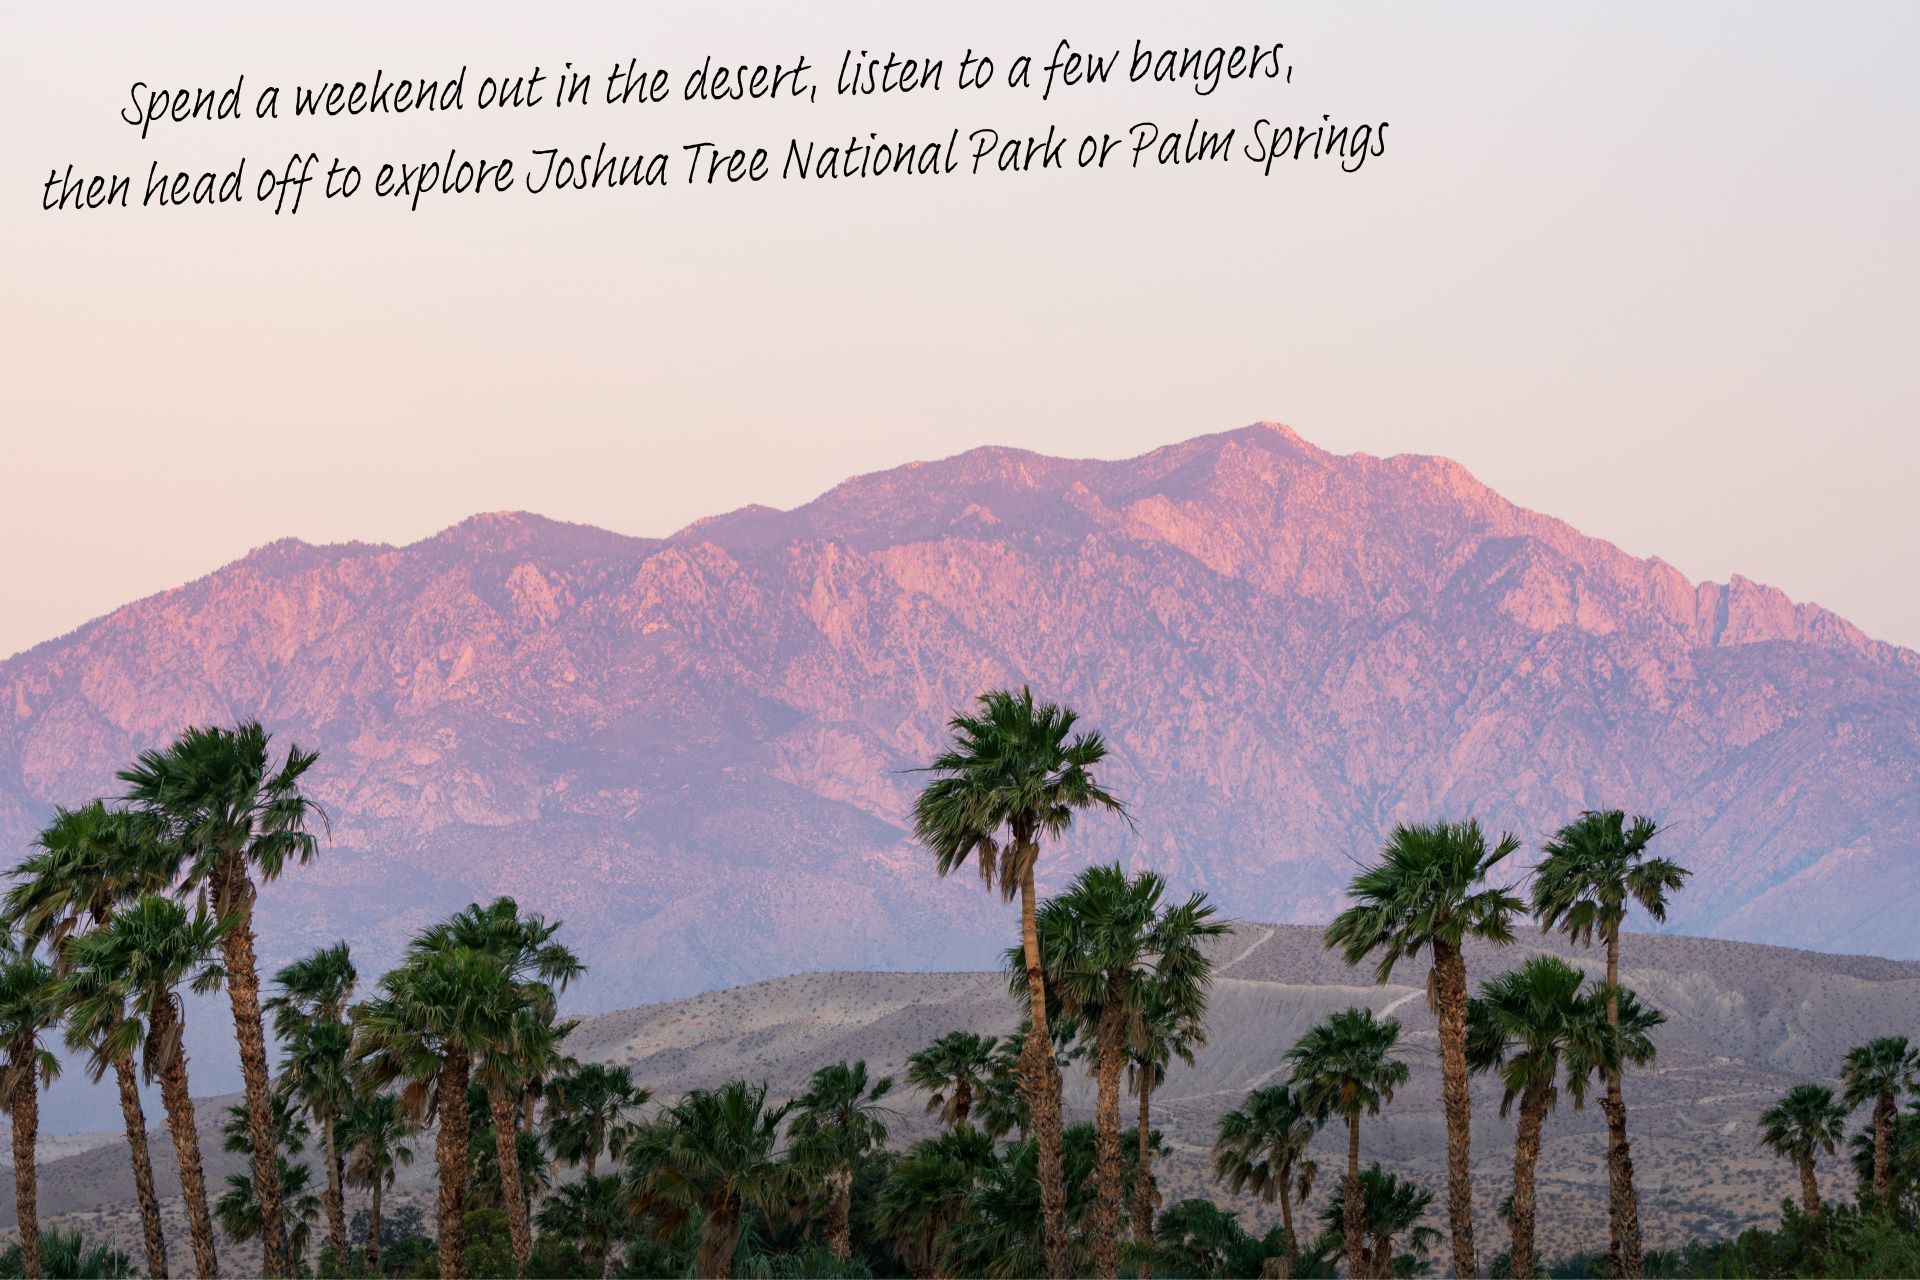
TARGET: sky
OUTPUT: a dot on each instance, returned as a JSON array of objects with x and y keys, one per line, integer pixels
[{"x": 1648, "y": 268}]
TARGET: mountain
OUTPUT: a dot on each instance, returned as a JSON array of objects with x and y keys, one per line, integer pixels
[
  {"x": 1745, "y": 1023},
  {"x": 698, "y": 749}
]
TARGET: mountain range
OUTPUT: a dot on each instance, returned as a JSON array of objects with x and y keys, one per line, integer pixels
[{"x": 699, "y": 750}]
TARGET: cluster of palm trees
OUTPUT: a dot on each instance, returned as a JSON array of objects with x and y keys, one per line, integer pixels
[
  {"x": 124, "y": 905},
  {"x": 1811, "y": 1118},
  {"x": 1017, "y": 772}
]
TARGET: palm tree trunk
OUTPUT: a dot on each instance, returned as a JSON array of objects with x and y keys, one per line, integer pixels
[
  {"x": 243, "y": 992},
  {"x": 1289, "y": 1243},
  {"x": 1143, "y": 1175},
  {"x": 713, "y": 1260},
  {"x": 1040, "y": 1081},
  {"x": 1623, "y": 1253},
  {"x": 24, "y": 1107},
  {"x": 178, "y": 1102},
  {"x": 962, "y": 1102},
  {"x": 1883, "y": 1109},
  {"x": 136, "y": 1118},
  {"x": 1809, "y": 1188},
  {"x": 1450, "y": 990},
  {"x": 336, "y": 1197},
  {"x": 1526, "y": 1158},
  {"x": 506, "y": 1154},
  {"x": 373, "y": 1225},
  {"x": 450, "y": 1154},
  {"x": 840, "y": 1213},
  {"x": 1109, "y": 1061},
  {"x": 1355, "y": 1211}
]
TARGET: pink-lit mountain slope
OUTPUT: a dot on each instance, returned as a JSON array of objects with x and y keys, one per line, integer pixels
[{"x": 695, "y": 749}]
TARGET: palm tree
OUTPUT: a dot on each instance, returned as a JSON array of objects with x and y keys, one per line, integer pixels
[
  {"x": 1878, "y": 1072},
  {"x": 119, "y": 992},
  {"x": 86, "y": 862},
  {"x": 589, "y": 1110},
  {"x": 527, "y": 1047},
  {"x": 1804, "y": 1122},
  {"x": 230, "y": 811},
  {"x": 1198, "y": 1238},
  {"x": 1532, "y": 1026},
  {"x": 375, "y": 1133},
  {"x": 713, "y": 1156},
  {"x": 1171, "y": 1024},
  {"x": 239, "y": 1208},
  {"x": 1347, "y": 1064},
  {"x": 1262, "y": 1147},
  {"x": 435, "y": 1014},
  {"x": 1594, "y": 869},
  {"x": 29, "y": 1006},
  {"x": 1429, "y": 890},
  {"x": 1108, "y": 950},
  {"x": 309, "y": 1014},
  {"x": 950, "y": 1071},
  {"x": 999, "y": 1232},
  {"x": 316, "y": 1073},
  {"x": 1391, "y": 1210},
  {"x": 594, "y": 1212},
  {"x": 1000, "y": 1108},
  {"x": 926, "y": 1192},
  {"x": 1016, "y": 773},
  {"x": 835, "y": 1124}
]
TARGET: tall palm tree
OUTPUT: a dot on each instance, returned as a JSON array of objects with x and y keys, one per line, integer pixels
[
  {"x": 1878, "y": 1072},
  {"x": 433, "y": 1016},
  {"x": 711, "y": 1157},
  {"x": 926, "y": 1192},
  {"x": 1171, "y": 1026},
  {"x": 376, "y": 1132},
  {"x": 309, "y": 1014},
  {"x": 1429, "y": 890},
  {"x": 1108, "y": 950},
  {"x": 1261, "y": 1146},
  {"x": 1348, "y": 1065},
  {"x": 1806, "y": 1120},
  {"x": 119, "y": 992},
  {"x": 85, "y": 863},
  {"x": 950, "y": 1071},
  {"x": 318, "y": 1075},
  {"x": 29, "y": 1007},
  {"x": 589, "y": 1110},
  {"x": 232, "y": 812},
  {"x": 1016, "y": 773},
  {"x": 1533, "y": 1026},
  {"x": 836, "y": 1123},
  {"x": 1594, "y": 869},
  {"x": 528, "y": 1046}
]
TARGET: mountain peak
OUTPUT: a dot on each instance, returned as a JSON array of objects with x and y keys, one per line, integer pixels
[{"x": 712, "y": 735}]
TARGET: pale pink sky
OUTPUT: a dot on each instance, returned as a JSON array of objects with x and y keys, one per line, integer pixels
[{"x": 1649, "y": 268}]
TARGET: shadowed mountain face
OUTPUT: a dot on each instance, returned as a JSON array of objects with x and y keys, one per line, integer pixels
[{"x": 696, "y": 750}]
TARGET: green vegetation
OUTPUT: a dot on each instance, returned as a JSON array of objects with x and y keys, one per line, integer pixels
[{"x": 548, "y": 1166}]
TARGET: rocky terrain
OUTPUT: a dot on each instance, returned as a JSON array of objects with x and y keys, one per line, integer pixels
[
  {"x": 698, "y": 750},
  {"x": 1744, "y": 1023}
]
